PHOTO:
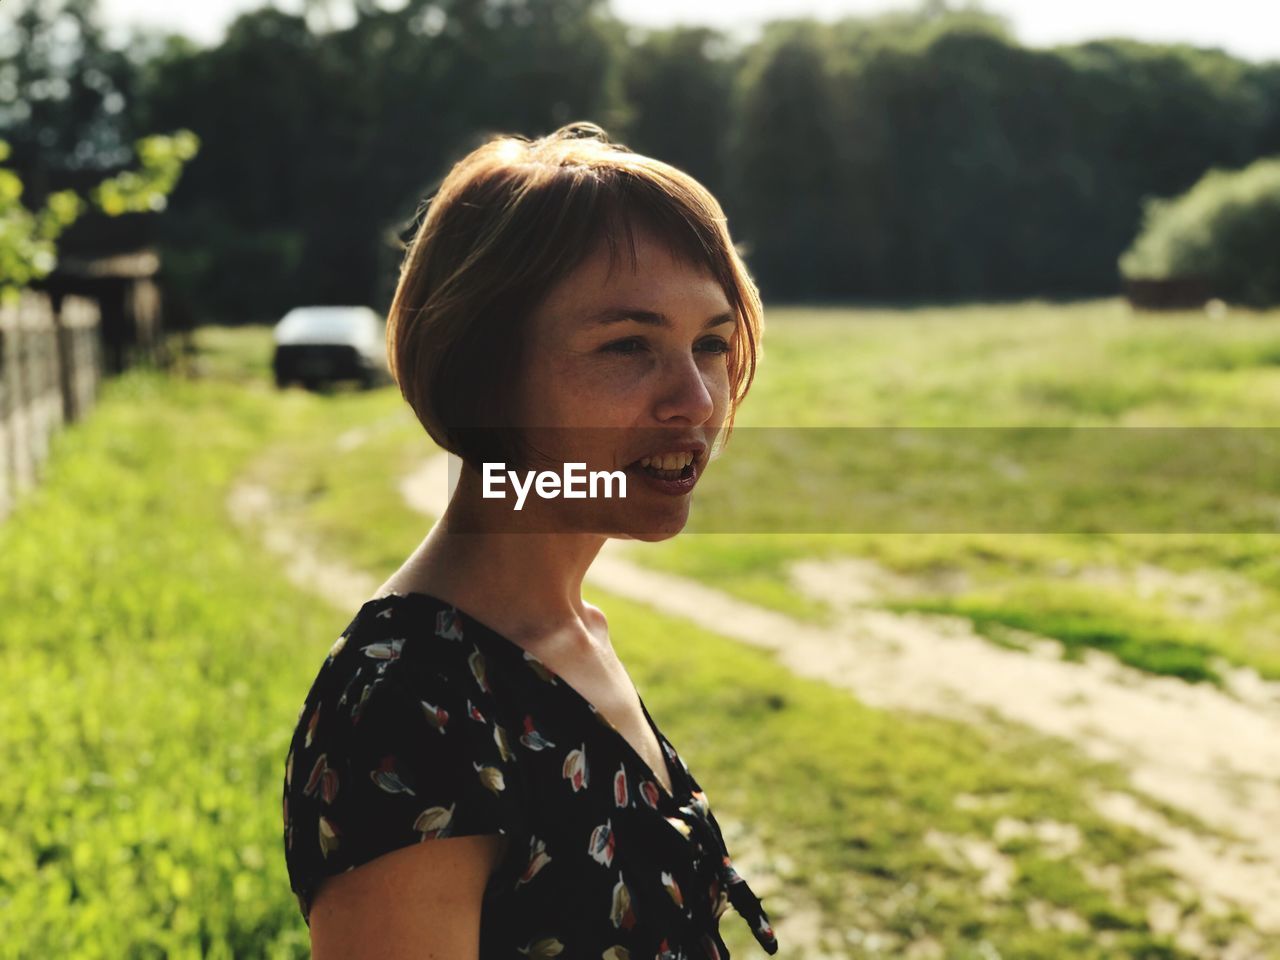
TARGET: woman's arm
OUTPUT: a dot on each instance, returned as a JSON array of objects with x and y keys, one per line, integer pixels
[{"x": 420, "y": 902}]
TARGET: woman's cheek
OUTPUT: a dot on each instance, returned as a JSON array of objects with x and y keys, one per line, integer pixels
[
  {"x": 605, "y": 394},
  {"x": 717, "y": 382},
  {"x": 622, "y": 376}
]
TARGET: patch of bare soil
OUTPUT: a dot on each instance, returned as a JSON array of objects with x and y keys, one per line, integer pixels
[
  {"x": 1213, "y": 754},
  {"x": 252, "y": 507}
]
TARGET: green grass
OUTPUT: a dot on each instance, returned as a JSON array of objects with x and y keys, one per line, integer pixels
[
  {"x": 1032, "y": 363},
  {"x": 1006, "y": 365},
  {"x": 151, "y": 663},
  {"x": 848, "y": 792},
  {"x": 1087, "y": 364},
  {"x": 155, "y": 659}
]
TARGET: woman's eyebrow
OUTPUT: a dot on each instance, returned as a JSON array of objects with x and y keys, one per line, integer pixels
[{"x": 619, "y": 314}]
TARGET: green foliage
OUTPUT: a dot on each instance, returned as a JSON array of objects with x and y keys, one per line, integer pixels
[
  {"x": 919, "y": 153},
  {"x": 66, "y": 87},
  {"x": 676, "y": 84},
  {"x": 1225, "y": 229},
  {"x": 147, "y": 189},
  {"x": 332, "y": 138},
  {"x": 941, "y": 159},
  {"x": 28, "y": 239}
]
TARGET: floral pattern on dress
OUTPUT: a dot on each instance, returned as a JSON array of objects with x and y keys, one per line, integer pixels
[{"x": 423, "y": 723}]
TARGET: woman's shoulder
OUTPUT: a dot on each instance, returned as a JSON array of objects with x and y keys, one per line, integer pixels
[
  {"x": 401, "y": 616},
  {"x": 397, "y": 629},
  {"x": 397, "y": 741},
  {"x": 398, "y": 649}
]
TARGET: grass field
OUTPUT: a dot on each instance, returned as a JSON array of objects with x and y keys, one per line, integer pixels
[
  {"x": 1090, "y": 364},
  {"x": 156, "y": 660}
]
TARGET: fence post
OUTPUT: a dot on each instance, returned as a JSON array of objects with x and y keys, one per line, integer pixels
[
  {"x": 36, "y": 365},
  {"x": 44, "y": 396},
  {"x": 79, "y": 354},
  {"x": 8, "y": 381}
]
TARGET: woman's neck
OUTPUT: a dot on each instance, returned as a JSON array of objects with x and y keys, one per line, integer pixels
[{"x": 526, "y": 585}]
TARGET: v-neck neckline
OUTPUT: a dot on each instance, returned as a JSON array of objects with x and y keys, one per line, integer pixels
[{"x": 678, "y": 784}]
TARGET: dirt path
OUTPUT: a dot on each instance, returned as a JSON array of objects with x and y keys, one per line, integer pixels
[
  {"x": 253, "y": 508},
  {"x": 1211, "y": 754}
]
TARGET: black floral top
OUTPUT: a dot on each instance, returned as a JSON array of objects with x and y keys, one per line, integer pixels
[{"x": 423, "y": 722}]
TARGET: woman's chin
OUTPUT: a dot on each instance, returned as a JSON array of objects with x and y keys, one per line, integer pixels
[
  {"x": 654, "y": 525},
  {"x": 648, "y": 536}
]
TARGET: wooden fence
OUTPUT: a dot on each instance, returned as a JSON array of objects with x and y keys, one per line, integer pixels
[{"x": 50, "y": 367}]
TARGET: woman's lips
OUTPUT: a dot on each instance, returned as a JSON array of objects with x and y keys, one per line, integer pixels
[{"x": 673, "y": 488}]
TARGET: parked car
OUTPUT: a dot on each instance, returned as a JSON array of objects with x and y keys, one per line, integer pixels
[{"x": 316, "y": 345}]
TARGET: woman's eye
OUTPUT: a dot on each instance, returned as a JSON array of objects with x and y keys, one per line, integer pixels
[
  {"x": 630, "y": 345},
  {"x": 716, "y": 345}
]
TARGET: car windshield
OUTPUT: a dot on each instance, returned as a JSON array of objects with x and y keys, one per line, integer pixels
[{"x": 327, "y": 324}]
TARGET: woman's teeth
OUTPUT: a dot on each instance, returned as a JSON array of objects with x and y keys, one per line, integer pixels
[{"x": 668, "y": 461}]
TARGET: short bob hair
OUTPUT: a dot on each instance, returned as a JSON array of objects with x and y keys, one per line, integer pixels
[{"x": 509, "y": 221}]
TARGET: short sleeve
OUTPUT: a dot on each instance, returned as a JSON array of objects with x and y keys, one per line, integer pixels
[{"x": 410, "y": 756}]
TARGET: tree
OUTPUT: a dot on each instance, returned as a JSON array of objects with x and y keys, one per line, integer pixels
[
  {"x": 68, "y": 94},
  {"x": 678, "y": 84},
  {"x": 318, "y": 145},
  {"x": 28, "y": 238},
  {"x": 1224, "y": 230},
  {"x": 788, "y": 162}
]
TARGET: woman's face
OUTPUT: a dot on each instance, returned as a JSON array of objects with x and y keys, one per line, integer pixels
[{"x": 643, "y": 355}]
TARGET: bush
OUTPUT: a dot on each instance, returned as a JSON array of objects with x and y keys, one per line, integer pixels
[{"x": 1225, "y": 229}]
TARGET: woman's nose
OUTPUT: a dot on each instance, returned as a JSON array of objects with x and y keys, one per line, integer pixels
[{"x": 683, "y": 392}]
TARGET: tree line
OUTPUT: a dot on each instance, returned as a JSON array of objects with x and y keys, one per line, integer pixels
[{"x": 915, "y": 155}]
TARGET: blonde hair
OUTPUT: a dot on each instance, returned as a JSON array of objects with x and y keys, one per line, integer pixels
[{"x": 511, "y": 219}]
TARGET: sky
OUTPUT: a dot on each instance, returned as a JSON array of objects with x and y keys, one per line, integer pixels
[{"x": 1246, "y": 28}]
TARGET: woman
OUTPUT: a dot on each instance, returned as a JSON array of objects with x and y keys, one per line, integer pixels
[{"x": 476, "y": 701}]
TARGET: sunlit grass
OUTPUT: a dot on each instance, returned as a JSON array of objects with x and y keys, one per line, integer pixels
[
  {"x": 1085, "y": 364},
  {"x": 846, "y": 792},
  {"x": 150, "y": 660},
  {"x": 155, "y": 658},
  {"x": 849, "y": 793}
]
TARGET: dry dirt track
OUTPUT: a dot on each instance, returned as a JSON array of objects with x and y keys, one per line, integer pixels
[{"x": 1214, "y": 755}]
